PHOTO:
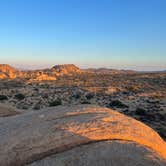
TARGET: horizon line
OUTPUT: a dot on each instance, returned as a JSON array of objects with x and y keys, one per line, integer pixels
[{"x": 117, "y": 67}]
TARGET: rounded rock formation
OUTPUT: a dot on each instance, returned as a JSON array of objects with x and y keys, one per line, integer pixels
[
  {"x": 78, "y": 136},
  {"x": 66, "y": 69}
]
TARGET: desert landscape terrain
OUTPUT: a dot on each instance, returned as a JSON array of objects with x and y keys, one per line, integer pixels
[
  {"x": 69, "y": 116},
  {"x": 82, "y": 83},
  {"x": 136, "y": 94}
]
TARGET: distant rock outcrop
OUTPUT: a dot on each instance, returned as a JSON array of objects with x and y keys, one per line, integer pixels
[
  {"x": 7, "y": 68},
  {"x": 6, "y": 71},
  {"x": 76, "y": 136},
  {"x": 66, "y": 69}
]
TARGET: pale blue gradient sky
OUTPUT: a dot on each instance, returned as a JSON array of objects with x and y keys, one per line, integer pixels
[{"x": 89, "y": 33}]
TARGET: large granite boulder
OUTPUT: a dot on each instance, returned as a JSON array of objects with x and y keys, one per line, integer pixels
[
  {"x": 78, "y": 136},
  {"x": 7, "y": 110}
]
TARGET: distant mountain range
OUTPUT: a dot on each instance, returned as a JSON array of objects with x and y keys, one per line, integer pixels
[{"x": 108, "y": 71}]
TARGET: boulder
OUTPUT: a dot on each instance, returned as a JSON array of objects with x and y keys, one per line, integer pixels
[
  {"x": 81, "y": 135},
  {"x": 66, "y": 69},
  {"x": 6, "y": 110}
]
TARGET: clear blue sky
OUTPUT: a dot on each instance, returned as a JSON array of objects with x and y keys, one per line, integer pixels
[{"x": 88, "y": 33}]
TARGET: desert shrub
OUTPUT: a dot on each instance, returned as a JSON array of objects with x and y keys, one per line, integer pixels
[
  {"x": 142, "y": 119},
  {"x": 89, "y": 96},
  {"x": 3, "y": 97},
  {"x": 36, "y": 89},
  {"x": 151, "y": 117},
  {"x": 140, "y": 111},
  {"x": 55, "y": 103},
  {"x": 153, "y": 101},
  {"x": 162, "y": 132},
  {"x": 161, "y": 117},
  {"x": 77, "y": 95},
  {"x": 45, "y": 86},
  {"x": 25, "y": 107},
  {"x": 19, "y": 96},
  {"x": 126, "y": 92},
  {"x": 126, "y": 111},
  {"x": 118, "y": 104},
  {"x": 85, "y": 102},
  {"x": 36, "y": 107}
]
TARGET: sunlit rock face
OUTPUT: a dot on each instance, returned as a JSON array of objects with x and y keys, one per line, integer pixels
[
  {"x": 7, "y": 71},
  {"x": 76, "y": 136},
  {"x": 43, "y": 77},
  {"x": 6, "y": 68},
  {"x": 3, "y": 75},
  {"x": 66, "y": 69}
]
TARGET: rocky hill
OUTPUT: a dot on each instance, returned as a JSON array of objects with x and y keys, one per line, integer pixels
[
  {"x": 7, "y": 68},
  {"x": 8, "y": 72},
  {"x": 78, "y": 136},
  {"x": 66, "y": 69}
]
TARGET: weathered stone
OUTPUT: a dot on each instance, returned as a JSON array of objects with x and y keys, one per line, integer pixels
[
  {"x": 34, "y": 136},
  {"x": 7, "y": 111},
  {"x": 105, "y": 153}
]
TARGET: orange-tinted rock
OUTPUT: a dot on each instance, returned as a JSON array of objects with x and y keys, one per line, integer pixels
[
  {"x": 43, "y": 77},
  {"x": 66, "y": 69},
  {"x": 33, "y": 136},
  {"x": 8, "y": 72},
  {"x": 7, "y": 68}
]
